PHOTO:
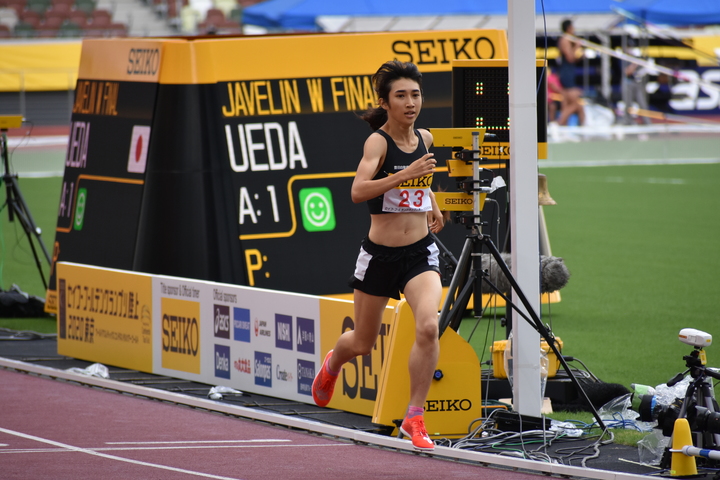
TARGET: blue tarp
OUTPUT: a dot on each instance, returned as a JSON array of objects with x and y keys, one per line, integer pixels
[
  {"x": 301, "y": 14},
  {"x": 673, "y": 12}
]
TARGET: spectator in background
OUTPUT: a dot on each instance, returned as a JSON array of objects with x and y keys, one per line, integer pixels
[
  {"x": 569, "y": 54},
  {"x": 554, "y": 95},
  {"x": 660, "y": 98},
  {"x": 634, "y": 91}
]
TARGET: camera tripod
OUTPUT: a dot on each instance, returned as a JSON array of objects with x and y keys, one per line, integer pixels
[
  {"x": 698, "y": 394},
  {"x": 469, "y": 275},
  {"x": 18, "y": 208}
]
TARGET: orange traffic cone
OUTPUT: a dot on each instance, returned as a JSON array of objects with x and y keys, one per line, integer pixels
[{"x": 681, "y": 465}]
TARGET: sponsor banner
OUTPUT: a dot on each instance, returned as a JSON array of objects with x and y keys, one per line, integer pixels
[
  {"x": 254, "y": 340},
  {"x": 692, "y": 98},
  {"x": 185, "y": 333},
  {"x": 357, "y": 387},
  {"x": 306, "y": 372},
  {"x": 263, "y": 369},
  {"x": 180, "y": 334},
  {"x": 251, "y": 339},
  {"x": 221, "y": 321},
  {"x": 105, "y": 316},
  {"x": 241, "y": 324},
  {"x": 222, "y": 361}
]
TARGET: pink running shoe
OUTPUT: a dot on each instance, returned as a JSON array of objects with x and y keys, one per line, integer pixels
[
  {"x": 324, "y": 384},
  {"x": 415, "y": 429}
]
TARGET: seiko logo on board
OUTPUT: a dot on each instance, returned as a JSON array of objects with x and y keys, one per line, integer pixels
[{"x": 143, "y": 61}]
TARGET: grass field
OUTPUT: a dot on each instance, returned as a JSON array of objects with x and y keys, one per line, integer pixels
[
  {"x": 642, "y": 244},
  {"x": 18, "y": 264}
]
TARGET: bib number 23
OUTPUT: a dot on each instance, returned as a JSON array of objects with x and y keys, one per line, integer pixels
[{"x": 414, "y": 196}]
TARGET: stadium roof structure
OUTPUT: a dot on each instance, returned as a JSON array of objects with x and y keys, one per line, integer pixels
[
  {"x": 672, "y": 12},
  {"x": 395, "y": 15}
]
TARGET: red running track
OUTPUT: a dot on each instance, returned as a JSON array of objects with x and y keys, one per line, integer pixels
[{"x": 56, "y": 430}]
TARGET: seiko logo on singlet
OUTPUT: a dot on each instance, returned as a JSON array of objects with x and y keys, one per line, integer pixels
[{"x": 422, "y": 182}]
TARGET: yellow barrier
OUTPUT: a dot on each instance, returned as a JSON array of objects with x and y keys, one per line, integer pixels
[
  {"x": 454, "y": 400},
  {"x": 35, "y": 67}
]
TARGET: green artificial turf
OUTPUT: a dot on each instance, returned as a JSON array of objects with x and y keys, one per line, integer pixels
[
  {"x": 642, "y": 244},
  {"x": 18, "y": 265},
  {"x": 37, "y": 325}
]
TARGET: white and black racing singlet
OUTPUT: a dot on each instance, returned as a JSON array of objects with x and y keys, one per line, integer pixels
[{"x": 410, "y": 196}]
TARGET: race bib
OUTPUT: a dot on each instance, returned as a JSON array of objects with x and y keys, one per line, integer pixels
[{"x": 410, "y": 196}]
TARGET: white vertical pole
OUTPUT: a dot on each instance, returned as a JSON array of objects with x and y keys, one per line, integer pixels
[{"x": 527, "y": 398}]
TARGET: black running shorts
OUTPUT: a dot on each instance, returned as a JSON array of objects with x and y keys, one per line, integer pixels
[{"x": 384, "y": 271}]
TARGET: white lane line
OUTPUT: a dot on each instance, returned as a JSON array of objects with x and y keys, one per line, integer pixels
[
  {"x": 174, "y": 447},
  {"x": 187, "y": 442},
  {"x": 112, "y": 457}
]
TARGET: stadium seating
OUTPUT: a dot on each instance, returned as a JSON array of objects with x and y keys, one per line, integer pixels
[
  {"x": 57, "y": 18},
  {"x": 39, "y": 6},
  {"x": 17, "y": 5},
  {"x": 70, "y": 29},
  {"x": 82, "y": 18},
  {"x": 78, "y": 17},
  {"x": 24, "y": 30},
  {"x": 86, "y": 6},
  {"x": 216, "y": 23}
]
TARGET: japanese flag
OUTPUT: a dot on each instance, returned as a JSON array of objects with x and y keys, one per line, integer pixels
[{"x": 138, "y": 149}]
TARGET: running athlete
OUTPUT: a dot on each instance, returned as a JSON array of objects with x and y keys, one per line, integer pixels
[{"x": 398, "y": 255}]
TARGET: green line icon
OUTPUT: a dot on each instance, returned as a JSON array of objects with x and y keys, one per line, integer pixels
[
  {"x": 80, "y": 209},
  {"x": 316, "y": 207}
]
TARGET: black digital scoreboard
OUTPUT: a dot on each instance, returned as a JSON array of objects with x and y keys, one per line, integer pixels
[{"x": 481, "y": 99}]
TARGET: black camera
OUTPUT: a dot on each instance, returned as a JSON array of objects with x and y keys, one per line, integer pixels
[
  {"x": 703, "y": 420},
  {"x": 650, "y": 410}
]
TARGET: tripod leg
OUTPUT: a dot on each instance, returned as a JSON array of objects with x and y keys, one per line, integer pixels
[
  {"x": 7, "y": 178},
  {"x": 23, "y": 220},
  {"x": 18, "y": 208},
  {"x": 461, "y": 274},
  {"x": 462, "y": 300},
  {"x": 710, "y": 404},
  {"x": 446, "y": 254},
  {"x": 538, "y": 325},
  {"x": 27, "y": 219}
]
